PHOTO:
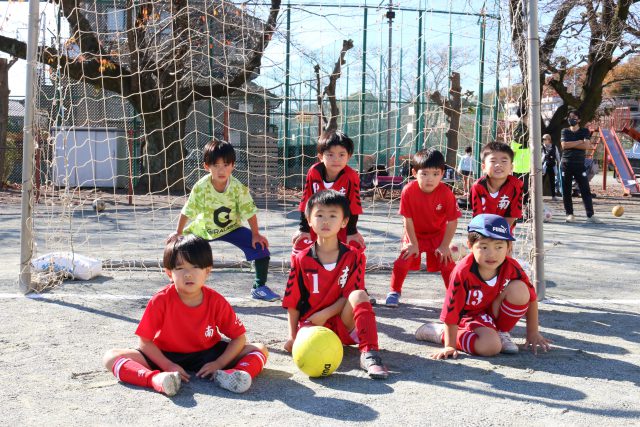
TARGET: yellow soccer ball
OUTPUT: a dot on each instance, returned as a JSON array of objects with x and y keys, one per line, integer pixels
[
  {"x": 317, "y": 351},
  {"x": 617, "y": 210}
]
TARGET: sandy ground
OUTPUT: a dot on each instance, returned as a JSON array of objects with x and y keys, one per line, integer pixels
[{"x": 51, "y": 347}]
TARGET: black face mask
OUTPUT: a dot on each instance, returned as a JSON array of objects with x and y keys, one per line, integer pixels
[{"x": 573, "y": 122}]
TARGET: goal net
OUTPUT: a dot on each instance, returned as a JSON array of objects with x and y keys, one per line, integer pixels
[{"x": 128, "y": 93}]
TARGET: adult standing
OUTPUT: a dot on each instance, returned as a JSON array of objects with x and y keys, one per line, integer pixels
[
  {"x": 575, "y": 141},
  {"x": 550, "y": 159}
]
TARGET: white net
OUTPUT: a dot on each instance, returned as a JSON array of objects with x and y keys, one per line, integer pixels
[{"x": 132, "y": 91}]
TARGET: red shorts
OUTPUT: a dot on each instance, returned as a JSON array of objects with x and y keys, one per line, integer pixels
[
  {"x": 470, "y": 323},
  {"x": 433, "y": 261},
  {"x": 336, "y": 325}
]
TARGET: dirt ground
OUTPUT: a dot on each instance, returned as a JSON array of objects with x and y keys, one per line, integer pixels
[{"x": 51, "y": 347}]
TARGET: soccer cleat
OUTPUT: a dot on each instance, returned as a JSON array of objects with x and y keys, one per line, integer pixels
[
  {"x": 264, "y": 293},
  {"x": 233, "y": 380},
  {"x": 393, "y": 299},
  {"x": 166, "y": 382},
  {"x": 508, "y": 346},
  {"x": 371, "y": 362},
  {"x": 431, "y": 332},
  {"x": 570, "y": 218},
  {"x": 594, "y": 220}
]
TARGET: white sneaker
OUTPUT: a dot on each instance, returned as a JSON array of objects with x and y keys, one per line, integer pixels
[
  {"x": 508, "y": 346},
  {"x": 167, "y": 382},
  {"x": 594, "y": 220},
  {"x": 233, "y": 380},
  {"x": 431, "y": 332},
  {"x": 570, "y": 218}
]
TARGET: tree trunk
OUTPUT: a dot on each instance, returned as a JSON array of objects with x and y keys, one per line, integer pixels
[{"x": 455, "y": 104}]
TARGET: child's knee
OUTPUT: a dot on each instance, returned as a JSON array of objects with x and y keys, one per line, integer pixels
[
  {"x": 110, "y": 357},
  {"x": 517, "y": 292},
  {"x": 488, "y": 345},
  {"x": 358, "y": 296},
  {"x": 260, "y": 347}
]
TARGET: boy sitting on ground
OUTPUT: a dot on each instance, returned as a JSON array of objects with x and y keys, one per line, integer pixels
[
  {"x": 326, "y": 284},
  {"x": 180, "y": 330},
  {"x": 488, "y": 293}
]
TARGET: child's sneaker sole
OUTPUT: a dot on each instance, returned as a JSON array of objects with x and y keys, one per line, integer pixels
[
  {"x": 430, "y": 332},
  {"x": 233, "y": 380},
  {"x": 169, "y": 383}
]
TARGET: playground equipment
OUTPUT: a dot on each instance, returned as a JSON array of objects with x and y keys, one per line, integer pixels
[{"x": 614, "y": 151}]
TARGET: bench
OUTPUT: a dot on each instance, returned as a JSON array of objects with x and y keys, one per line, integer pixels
[{"x": 382, "y": 184}]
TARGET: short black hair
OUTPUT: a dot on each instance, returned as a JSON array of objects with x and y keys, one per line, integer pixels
[
  {"x": 497, "y": 147},
  {"x": 334, "y": 138},
  {"x": 429, "y": 158},
  {"x": 468, "y": 149},
  {"x": 328, "y": 198},
  {"x": 191, "y": 248},
  {"x": 474, "y": 237},
  {"x": 219, "y": 149},
  {"x": 574, "y": 112}
]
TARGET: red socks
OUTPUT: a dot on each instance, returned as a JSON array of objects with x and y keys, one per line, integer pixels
[
  {"x": 509, "y": 315},
  {"x": 365, "y": 320},
  {"x": 398, "y": 274},
  {"x": 467, "y": 341},
  {"x": 131, "y": 372},
  {"x": 252, "y": 363}
]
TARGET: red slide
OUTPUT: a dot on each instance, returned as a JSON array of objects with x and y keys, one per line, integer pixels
[{"x": 620, "y": 160}]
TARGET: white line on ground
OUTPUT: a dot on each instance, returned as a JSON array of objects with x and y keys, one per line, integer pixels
[{"x": 414, "y": 301}]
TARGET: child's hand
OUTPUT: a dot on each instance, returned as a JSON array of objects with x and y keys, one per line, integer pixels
[
  {"x": 174, "y": 367},
  {"x": 288, "y": 345},
  {"x": 410, "y": 250},
  {"x": 444, "y": 254},
  {"x": 171, "y": 236},
  {"x": 445, "y": 353},
  {"x": 300, "y": 236},
  {"x": 259, "y": 239},
  {"x": 356, "y": 238},
  {"x": 208, "y": 369},
  {"x": 536, "y": 339}
]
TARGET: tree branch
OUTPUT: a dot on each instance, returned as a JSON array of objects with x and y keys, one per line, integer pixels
[
  {"x": 330, "y": 89},
  {"x": 319, "y": 95}
]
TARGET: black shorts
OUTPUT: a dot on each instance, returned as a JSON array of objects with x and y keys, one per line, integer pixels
[
  {"x": 465, "y": 173},
  {"x": 191, "y": 361}
]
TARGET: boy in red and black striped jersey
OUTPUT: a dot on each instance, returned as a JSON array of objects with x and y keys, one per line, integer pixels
[
  {"x": 326, "y": 284},
  {"x": 488, "y": 293},
  {"x": 332, "y": 172},
  {"x": 430, "y": 216},
  {"x": 181, "y": 329},
  {"x": 498, "y": 191}
]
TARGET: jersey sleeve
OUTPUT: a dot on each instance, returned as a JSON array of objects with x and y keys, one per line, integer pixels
[
  {"x": 355, "y": 203},
  {"x": 308, "y": 190},
  {"x": 476, "y": 199},
  {"x": 563, "y": 135},
  {"x": 151, "y": 321},
  {"x": 454, "y": 299},
  {"x": 246, "y": 207},
  {"x": 226, "y": 319},
  {"x": 195, "y": 202},
  {"x": 355, "y": 278},
  {"x": 515, "y": 207},
  {"x": 292, "y": 290},
  {"x": 452, "y": 210},
  {"x": 405, "y": 203}
]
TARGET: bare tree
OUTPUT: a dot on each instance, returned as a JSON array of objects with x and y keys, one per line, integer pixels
[
  {"x": 452, "y": 106},
  {"x": 601, "y": 33},
  {"x": 163, "y": 67}
]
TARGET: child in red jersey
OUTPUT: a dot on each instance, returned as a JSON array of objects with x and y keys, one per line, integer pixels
[
  {"x": 332, "y": 172},
  {"x": 489, "y": 292},
  {"x": 326, "y": 284},
  {"x": 430, "y": 214},
  {"x": 180, "y": 330},
  {"x": 497, "y": 192}
]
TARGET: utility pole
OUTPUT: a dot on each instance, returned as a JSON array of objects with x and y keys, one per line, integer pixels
[
  {"x": 390, "y": 15},
  {"x": 4, "y": 115}
]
